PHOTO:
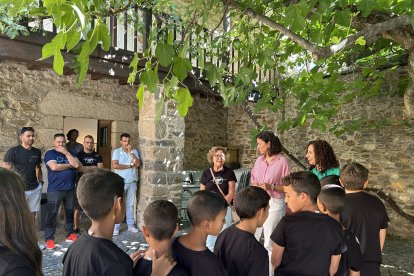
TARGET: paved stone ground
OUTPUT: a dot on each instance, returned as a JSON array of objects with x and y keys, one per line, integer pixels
[{"x": 398, "y": 255}]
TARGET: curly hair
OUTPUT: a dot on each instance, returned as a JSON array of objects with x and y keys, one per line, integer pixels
[
  {"x": 275, "y": 145},
  {"x": 212, "y": 151},
  {"x": 324, "y": 155}
]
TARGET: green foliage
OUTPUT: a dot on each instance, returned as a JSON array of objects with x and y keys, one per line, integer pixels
[{"x": 317, "y": 86}]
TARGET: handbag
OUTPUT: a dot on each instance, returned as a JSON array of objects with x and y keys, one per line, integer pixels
[{"x": 234, "y": 216}]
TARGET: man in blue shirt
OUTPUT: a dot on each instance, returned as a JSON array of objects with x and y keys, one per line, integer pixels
[
  {"x": 61, "y": 174},
  {"x": 125, "y": 163}
]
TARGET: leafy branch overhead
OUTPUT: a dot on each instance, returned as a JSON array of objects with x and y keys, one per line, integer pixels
[{"x": 295, "y": 49}]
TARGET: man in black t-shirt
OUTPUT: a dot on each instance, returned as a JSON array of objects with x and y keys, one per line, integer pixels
[
  {"x": 237, "y": 247},
  {"x": 90, "y": 160},
  {"x": 25, "y": 160},
  {"x": 365, "y": 216},
  {"x": 306, "y": 242}
]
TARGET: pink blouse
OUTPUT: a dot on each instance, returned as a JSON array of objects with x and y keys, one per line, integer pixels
[{"x": 271, "y": 173}]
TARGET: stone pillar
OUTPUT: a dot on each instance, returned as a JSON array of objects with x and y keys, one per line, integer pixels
[{"x": 161, "y": 143}]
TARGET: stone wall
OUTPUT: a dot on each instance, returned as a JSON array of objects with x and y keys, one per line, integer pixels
[
  {"x": 386, "y": 151},
  {"x": 161, "y": 142},
  {"x": 41, "y": 99},
  {"x": 205, "y": 126}
]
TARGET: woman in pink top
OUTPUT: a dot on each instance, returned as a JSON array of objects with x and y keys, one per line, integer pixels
[{"x": 269, "y": 169}]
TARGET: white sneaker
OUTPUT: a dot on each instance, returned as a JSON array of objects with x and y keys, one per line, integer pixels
[
  {"x": 133, "y": 229},
  {"x": 116, "y": 230}
]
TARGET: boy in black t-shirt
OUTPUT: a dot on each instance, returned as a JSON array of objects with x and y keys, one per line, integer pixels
[
  {"x": 331, "y": 201},
  {"x": 160, "y": 224},
  {"x": 306, "y": 242},
  {"x": 236, "y": 246},
  {"x": 206, "y": 211},
  {"x": 365, "y": 216},
  {"x": 102, "y": 197}
]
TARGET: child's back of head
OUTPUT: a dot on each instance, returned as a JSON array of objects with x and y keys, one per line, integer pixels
[
  {"x": 330, "y": 179},
  {"x": 205, "y": 205},
  {"x": 161, "y": 218},
  {"x": 96, "y": 192},
  {"x": 249, "y": 201},
  {"x": 332, "y": 197},
  {"x": 354, "y": 176}
]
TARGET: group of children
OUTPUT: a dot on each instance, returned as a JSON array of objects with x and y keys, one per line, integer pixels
[{"x": 332, "y": 230}]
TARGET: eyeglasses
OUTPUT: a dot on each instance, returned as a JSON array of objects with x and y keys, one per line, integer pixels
[
  {"x": 219, "y": 156},
  {"x": 24, "y": 129}
]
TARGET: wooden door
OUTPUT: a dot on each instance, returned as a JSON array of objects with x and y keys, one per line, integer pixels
[{"x": 104, "y": 142}]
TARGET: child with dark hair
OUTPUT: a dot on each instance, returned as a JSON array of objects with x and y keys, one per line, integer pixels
[
  {"x": 330, "y": 179},
  {"x": 206, "y": 211},
  {"x": 306, "y": 242},
  {"x": 101, "y": 196},
  {"x": 365, "y": 216},
  {"x": 160, "y": 224},
  {"x": 331, "y": 201},
  {"x": 236, "y": 246}
]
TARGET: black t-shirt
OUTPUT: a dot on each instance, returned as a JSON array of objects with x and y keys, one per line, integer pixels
[
  {"x": 222, "y": 177},
  {"x": 12, "y": 264},
  {"x": 96, "y": 256},
  {"x": 240, "y": 253},
  {"x": 351, "y": 258},
  {"x": 309, "y": 239},
  {"x": 364, "y": 215},
  {"x": 144, "y": 268},
  {"x": 24, "y": 163},
  {"x": 88, "y": 159},
  {"x": 200, "y": 263}
]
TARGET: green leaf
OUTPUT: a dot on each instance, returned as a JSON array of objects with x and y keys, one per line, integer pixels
[
  {"x": 360, "y": 41},
  {"x": 80, "y": 16},
  {"x": 366, "y": 7},
  {"x": 140, "y": 95},
  {"x": 83, "y": 60},
  {"x": 412, "y": 21},
  {"x": 170, "y": 39},
  {"x": 50, "y": 4},
  {"x": 180, "y": 67},
  {"x": 58, "y": 63},
  {"x": 73, "y": 39},
  {"x": 164, "y": 53},
  {"x": 57, "y": 44},
  {"x": 213, "y": 74},
  {"x": 134, "y": 66},
  {"x": 150, "y": 79},
  {"x": 99, "y": 34},
  {"x": 296, "y": 15},
  {"x": 184, "y": 100}
]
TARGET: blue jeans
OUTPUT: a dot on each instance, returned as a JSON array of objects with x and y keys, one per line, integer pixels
[
  {"x": 211, "y": 240},
  {"x": 54, "y": 199}
]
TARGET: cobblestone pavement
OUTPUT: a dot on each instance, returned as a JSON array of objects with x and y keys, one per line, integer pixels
[{"x": 398, "y": 255}]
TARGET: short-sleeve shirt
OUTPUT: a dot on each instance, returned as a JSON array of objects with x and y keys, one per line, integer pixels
[
  {"x": 89, "y": 255},
  {"x": 200, "y": 263},
  {"x": 12, "y": 264},
  {"x": 144, "y": 268},
  {"x": 310, "y": 239},
  {"x": 351, "y": 258},
  {"x": 89, "y": 159},
  {"x": 328, "y": 172},
  {"x": 365, "y": 215},
  {"x": 125, "y": 158},
  {"x": 270, "y": 173},
  {"x": 241, "y": 253},
  {"x": 59, "y": 180},
  {"x": 24, "y": 163},
  {"x": 223, "y": 177}
]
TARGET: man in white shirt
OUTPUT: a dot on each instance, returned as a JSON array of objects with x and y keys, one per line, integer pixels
[{"x": 125, "y": 163}]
